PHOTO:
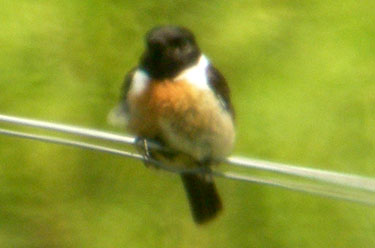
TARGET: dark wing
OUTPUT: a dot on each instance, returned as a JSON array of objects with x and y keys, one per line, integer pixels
[
  {"x": 219, "y": 85},
  {"x": 118, "y": 115},
  {"x": 126, "y": 86}
]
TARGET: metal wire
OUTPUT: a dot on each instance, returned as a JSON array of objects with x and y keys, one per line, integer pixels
[
  {"x": 365, "y": 186},
  {"x": 88, "y": 146},
  {"x": 300, "y": 187},
  {"x": 348, "y": 180}
]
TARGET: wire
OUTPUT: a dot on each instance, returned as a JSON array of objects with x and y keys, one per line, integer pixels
[
  {"x": 352, "y": 182},
  {"x": 300, "y": 187},
  {"x": 92, "y": 133},
  {"x": 93, "y": 147},
  {"x": 324, "y": 191},
  {"x": 359, "y": 182}
]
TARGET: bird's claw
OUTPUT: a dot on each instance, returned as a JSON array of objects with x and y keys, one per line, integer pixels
[{"x": 144, "y": 149}]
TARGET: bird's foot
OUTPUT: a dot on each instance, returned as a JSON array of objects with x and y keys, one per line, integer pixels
[
  {"x": 205, "y": 168},
  {"x": 143, "y": 148}
]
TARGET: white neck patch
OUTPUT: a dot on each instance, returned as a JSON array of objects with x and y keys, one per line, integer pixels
[
  {"x": 140, "y": 82},
  {"x": 196, "y": 74}
]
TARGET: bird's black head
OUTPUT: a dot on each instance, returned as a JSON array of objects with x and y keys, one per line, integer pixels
[{"x": 169, "y": 50}]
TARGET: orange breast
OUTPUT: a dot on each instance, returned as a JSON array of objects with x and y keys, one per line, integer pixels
[
  {"x": 160, "y": 100},
  {"x": 185, "y": 117}
]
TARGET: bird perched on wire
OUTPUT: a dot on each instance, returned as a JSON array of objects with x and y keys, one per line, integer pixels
[{"x": 176, "y": 97}]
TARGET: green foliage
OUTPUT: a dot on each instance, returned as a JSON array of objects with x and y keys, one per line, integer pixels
[{"x": 302, "y": 78}]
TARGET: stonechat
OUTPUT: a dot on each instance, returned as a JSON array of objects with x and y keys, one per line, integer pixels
[{"x": 176, "y": 97}]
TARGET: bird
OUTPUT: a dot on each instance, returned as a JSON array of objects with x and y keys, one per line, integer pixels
[{"x": 176, "y": 97}]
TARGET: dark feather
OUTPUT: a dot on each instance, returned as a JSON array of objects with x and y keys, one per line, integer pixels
[
  {"x": 125, "y": 90},
  {"x": 203, "y": 197},
  {"x": 120, "y": 113},
  {"x": 219, "y": 85}
]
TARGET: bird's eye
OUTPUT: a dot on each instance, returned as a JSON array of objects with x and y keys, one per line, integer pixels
[
  {"x": 179, "y": 43},
  {"x": 155, "y": 45}
]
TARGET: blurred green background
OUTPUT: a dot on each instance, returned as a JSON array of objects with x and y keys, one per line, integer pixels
[{"x": 302, "y": 75}]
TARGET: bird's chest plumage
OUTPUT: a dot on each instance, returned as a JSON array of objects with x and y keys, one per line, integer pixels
[
  {"x": 160, "y": 101},
  {"x": 183, "y": 112},
  {"x": 174, "y": 106},
  {"x": 184, "y": 116}
]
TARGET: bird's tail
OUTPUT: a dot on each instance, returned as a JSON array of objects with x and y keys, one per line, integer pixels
[{"x": 203, "y": 197}]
